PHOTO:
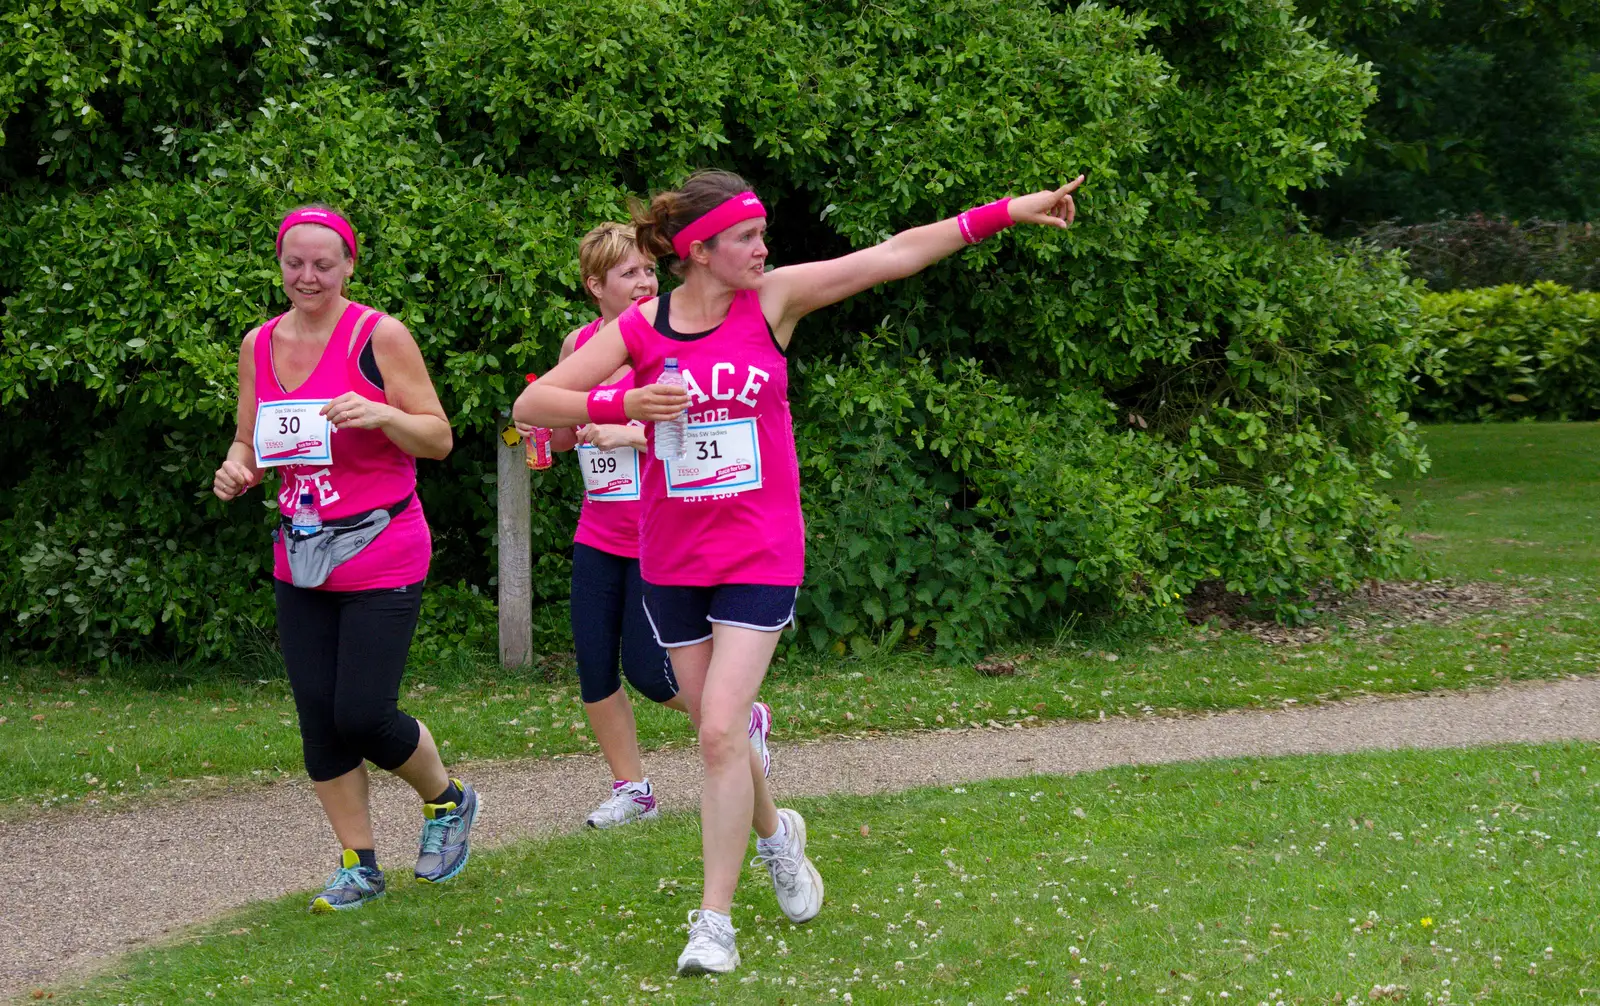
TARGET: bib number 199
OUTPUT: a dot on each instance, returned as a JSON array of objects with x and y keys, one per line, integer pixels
[{"x": 609, "y": 476}]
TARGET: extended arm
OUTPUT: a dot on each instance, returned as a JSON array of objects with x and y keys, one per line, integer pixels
[{"x": 792, "y": 292}]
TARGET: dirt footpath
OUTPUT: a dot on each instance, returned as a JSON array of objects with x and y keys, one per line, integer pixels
[{"x": 90, "y": 884}]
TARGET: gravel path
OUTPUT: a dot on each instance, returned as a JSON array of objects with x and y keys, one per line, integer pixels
[{"x": 86, "y": 885}]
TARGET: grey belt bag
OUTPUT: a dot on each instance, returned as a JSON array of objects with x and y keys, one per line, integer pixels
[{"x": 313, "y": 556}]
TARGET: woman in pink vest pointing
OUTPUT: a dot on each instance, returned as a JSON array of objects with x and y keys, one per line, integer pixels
[
  {"x": 336, "y": 396},
  {"x": 609, "y": 631},
  {"x": 722, "y": 546}
]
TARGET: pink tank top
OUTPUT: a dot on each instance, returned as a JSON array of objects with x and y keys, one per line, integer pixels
[
  {"x": 368, "y": 470},
  {"x": 731, "y": 514},
  {"x": 607, "y": 522}
]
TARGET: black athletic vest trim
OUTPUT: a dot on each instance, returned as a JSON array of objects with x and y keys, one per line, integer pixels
[
  {"x": 367, "y": 363},
  {"x": 664, "y": 326}
]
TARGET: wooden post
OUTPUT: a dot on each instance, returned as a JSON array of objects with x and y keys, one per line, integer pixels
[{"x": 516, "y": 552}]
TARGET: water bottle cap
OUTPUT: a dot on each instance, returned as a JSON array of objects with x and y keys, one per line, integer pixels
[
  {"x": 305, "y": 496},
  {"x": 672, "y": 361}
]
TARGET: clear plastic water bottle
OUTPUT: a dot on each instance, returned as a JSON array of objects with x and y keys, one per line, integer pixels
[
  {"x": 307, "y": 519},
  {"x": 671, "y": 435}
]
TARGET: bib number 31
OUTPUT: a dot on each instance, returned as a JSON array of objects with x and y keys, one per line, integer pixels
[
  {"x": 293, "y": 433},
  {"x": 718, "y": 459}
]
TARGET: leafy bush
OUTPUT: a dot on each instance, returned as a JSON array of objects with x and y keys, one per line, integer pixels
[
  {"x": 1511, "y": 352},
  {"x": 1188, "y": 387}
]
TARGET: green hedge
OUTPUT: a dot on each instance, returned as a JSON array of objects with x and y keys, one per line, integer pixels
[
  {"x": 1511, "y": 352},
  {"x": 1187, "y": 387}
]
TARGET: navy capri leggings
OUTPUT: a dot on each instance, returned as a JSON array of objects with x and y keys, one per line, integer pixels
[{"x": 609, "y": 626}]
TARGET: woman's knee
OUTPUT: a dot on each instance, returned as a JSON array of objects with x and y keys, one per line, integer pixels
[
  {"x": 723, "y": 741},
  {"x": 384, "y": 735},
  {"x": 652, "y": 677}
]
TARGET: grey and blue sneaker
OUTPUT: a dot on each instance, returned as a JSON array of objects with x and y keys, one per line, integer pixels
[
  {"x": 446, "y": 834},
  {"x": 351, "y": 886}
]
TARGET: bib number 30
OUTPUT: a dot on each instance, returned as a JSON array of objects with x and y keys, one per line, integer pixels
[
  {"x": 718, "y": 459},
  {"x": 293, "y": 433}
]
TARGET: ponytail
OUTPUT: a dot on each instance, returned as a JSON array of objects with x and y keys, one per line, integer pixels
[
  {"x": 671, "y": 211},
  {"x": 651, "y": 224}
]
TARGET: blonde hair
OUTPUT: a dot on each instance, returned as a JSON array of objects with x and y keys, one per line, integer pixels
[{"x": 602, "y": 249}]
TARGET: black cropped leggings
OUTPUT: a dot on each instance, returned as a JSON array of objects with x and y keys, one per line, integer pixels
[{"x": 346, "y": 653}]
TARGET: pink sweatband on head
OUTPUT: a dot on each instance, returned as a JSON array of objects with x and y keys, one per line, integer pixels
[
  {"x": 742, "y": 207},
  {"x": 327, "y": 218},
  {"x": 985, "y": 221},
  {"x": 606, "y": 408}
]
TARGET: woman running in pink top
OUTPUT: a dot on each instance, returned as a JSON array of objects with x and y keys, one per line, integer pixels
[
  {"x": 336, "y": 396},
  {"x": 722, "y": 549},
  {"x": 609, "y": 628}
]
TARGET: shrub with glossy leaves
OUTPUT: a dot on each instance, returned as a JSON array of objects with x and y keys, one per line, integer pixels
[
  {"x": 1512, "y": 352},
  {"x": 1184, "y": 387}
]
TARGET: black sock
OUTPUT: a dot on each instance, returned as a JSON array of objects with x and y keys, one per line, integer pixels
[
  {"x": 368, "y": 857},
  {"x": 452, "y": 794}
]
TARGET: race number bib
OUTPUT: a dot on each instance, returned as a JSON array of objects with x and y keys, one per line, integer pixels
[
  {"x": 609, "y": 476},
  {"x": 718, "y": 459},
  {"x": 293, "y": 433}
]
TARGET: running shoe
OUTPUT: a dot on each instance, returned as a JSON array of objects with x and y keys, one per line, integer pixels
[
  {"x": 795, "y": 881},
  {"x": 446, "y": 834},
  {"x": 760, "y": 730},
  {"x": 710, "y": 949},
  {"x": 628, "y": 802},
  {"x": 351, "y": 886}
]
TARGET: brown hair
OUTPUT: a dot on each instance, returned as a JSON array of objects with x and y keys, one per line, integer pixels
[
  {"x": 671, "y": 211},
  {"x": 602, "y": 249}
]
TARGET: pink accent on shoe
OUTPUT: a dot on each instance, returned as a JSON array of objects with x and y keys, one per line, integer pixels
[{"x": 760, "y": 730}]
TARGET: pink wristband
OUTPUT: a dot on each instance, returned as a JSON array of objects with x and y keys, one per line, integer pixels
[
  {"x": 605, "y": 407},
  {"x": 985, "y": 221}
]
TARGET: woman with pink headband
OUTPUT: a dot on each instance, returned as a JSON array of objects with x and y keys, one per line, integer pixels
[
  {"x": 722, "y": 545},
  {"x": 337, "y": 397},
  {"x": 609, "y": 631}
]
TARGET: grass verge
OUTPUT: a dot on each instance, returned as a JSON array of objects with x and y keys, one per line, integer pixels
[{"x": 1442, "y": 876}]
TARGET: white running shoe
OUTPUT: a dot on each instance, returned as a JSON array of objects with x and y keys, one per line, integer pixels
[
  {"x": 629, "y": 802},
  {"x": 795, "y": 881},
  {"x": 760, "y": 729},
  {"x": 710, "y": 949}
]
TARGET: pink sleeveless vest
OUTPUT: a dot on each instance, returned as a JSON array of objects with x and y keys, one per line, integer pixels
[
  {"x": 368, "y": 470},
  {"x": 737, "y": 377},
  {"x": 610, "y": 526}
]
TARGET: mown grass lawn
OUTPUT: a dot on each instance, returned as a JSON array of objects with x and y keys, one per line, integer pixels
[
  {"x": 1420, "y": 877},
  {"x": 1510, "y": 500},
  {"x": 68, "y": 738}
]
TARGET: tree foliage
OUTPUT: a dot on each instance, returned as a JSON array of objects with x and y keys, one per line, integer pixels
[
  {"x": 1187, "y": 387},
  {"x": 1485, "y": 106}
]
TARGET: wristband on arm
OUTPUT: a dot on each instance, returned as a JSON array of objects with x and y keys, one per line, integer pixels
[
  {"x": 606, "y": 408},
  {"x": 985, "y": 221}
]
